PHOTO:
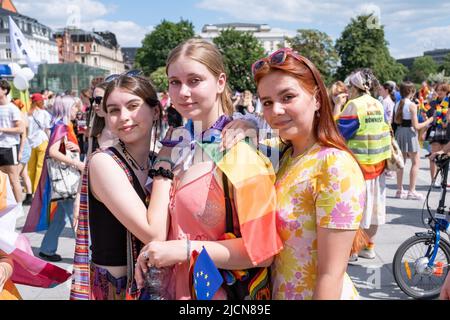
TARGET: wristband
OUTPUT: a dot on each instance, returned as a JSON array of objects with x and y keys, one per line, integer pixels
[{"x": 188, "y": 250}]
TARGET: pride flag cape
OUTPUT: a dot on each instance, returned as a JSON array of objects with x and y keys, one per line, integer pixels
[
  {"x": 253, "y": 178},
  {"x": 42, "y": 209},
  {"x": 28, "y": 269}
]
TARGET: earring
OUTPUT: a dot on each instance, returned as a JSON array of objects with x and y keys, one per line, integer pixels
[{"x": 317, "y": 114}]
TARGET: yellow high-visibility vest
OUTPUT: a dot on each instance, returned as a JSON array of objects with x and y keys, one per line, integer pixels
[{"x": 372, "y": 142}]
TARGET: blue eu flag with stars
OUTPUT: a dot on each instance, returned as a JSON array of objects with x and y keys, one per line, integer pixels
[{"x": 207, "y": 278}]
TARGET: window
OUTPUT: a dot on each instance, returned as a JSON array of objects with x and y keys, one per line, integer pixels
[
  {"x": 8, "y": 53},
  {"x": 8, "y": 40},
  {"x": 95, "y": 61},
  {"x": 81, "y": 48},
  {"x": 94, "y": 48},
  {"x": 83, "y": 60}
]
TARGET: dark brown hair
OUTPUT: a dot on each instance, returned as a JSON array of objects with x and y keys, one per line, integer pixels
[
  {"x": 406, "y": 89},
  {"x": 138, "y": 86}
]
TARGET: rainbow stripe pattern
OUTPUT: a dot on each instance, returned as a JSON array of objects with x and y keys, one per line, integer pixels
[{"x": 253, "y": 178}]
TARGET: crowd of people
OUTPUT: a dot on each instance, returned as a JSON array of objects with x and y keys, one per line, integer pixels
[{"x": 187, "y": 174}]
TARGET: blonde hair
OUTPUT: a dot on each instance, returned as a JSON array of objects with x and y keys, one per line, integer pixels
[{"x": 207, "y": 54}]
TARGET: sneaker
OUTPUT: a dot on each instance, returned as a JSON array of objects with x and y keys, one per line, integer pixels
[
  {"x": 353, "y": 257},
  {"x": 367, "y": 253},
  {"x": 436, "y": 185},
  {"x": 401, "y": 194},
  {"x": 53, "y": 258},
  {"x": 414, "y": 195}
]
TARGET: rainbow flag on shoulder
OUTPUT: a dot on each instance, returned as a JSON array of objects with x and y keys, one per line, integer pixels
[{"x": 253, "y": 178}]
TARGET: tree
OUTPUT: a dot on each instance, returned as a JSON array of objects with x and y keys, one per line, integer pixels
[
  {"x": 157, "y": 45},
  {"x": 318, "y": 47},
  {"x": 422, "y": 67},
  {"x": 446, "y": 65},
  {"x": 362, "y": 45},
  {"x": 159, "y": 79},
  {"x": 239, "y": 50}
]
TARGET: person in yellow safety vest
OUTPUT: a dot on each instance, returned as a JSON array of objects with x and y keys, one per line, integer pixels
[{"x": 363, "y": 125}]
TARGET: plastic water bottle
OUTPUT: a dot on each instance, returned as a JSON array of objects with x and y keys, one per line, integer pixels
[{"x": 156, "y": 284}]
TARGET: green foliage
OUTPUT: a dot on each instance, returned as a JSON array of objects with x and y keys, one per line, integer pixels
[
  {"x": 363, "y": 46},
  {"x": 422, "y": 67},
  {"x": 159, "y": 79},
  {"x": 157, "y": 45},
  {"x": 446, "y": 65},
  {"x": 240, "y": 50},
  {"x": 318, "y": 47}
]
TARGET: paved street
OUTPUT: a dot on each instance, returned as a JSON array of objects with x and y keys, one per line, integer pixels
[{"x": 373, "y": 278}]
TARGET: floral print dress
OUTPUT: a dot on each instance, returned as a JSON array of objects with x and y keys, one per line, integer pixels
[{"x": 324, "y": 187}]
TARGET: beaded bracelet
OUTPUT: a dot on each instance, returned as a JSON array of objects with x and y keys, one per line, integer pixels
[{"x": 160, "y": 172}]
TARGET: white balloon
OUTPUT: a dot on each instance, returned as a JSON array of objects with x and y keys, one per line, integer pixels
[
  {"x": 15, "y": 68},
  {"x": 20, "y": 82},
  {"x": 27, "y": 72}
]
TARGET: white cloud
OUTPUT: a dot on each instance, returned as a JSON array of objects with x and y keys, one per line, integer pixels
[
  {"x": 84, "y": 14},
  {"x": 128, "y": 33},
  {"x": 57, "y": 13},
  {"x": 287, "y": 10}
]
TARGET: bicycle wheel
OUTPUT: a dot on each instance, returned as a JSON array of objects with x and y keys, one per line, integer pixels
[{"x": 410, "y": 267}]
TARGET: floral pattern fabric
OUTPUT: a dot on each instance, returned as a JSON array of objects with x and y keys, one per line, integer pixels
[{"x": 325, "y": 187}]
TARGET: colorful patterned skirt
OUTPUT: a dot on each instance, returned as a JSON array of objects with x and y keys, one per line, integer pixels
[{"x": 105, "y": 286}]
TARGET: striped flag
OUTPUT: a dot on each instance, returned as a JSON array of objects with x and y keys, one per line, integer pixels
[
  {"x": 28, "y": 269},
  {"x": 253, "y": 178}
]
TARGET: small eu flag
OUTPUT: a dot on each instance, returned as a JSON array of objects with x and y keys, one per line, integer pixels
[{"x": 207, "y": 278}]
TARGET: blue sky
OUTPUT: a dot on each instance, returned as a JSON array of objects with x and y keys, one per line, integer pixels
[{"x": 411, "y": 27}]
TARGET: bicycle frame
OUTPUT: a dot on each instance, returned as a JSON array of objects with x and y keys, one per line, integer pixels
[{"x": 441, "y": 219}]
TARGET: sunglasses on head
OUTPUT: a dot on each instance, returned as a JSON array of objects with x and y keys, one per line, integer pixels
[
  {"x": 131, "y": 73},
  {"x": 275, "y": 59},
  {"x": 97, "y": 100},
  {"x": 279, "y": 57}
]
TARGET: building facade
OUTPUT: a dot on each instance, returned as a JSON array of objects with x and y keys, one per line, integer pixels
[
  {"x": 438, "y": 56},
  {"x": 270, "y": 39},
  {"x": 39, "y": 36},
  {"x": 94, "y": 49}
]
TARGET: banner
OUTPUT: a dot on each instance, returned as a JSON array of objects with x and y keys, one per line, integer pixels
[{"x": 20, "y": 46}]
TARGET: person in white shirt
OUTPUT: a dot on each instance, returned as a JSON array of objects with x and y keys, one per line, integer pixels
[
  {"x": 11, "y": 127},
  {"x": 40, "y": 124}
]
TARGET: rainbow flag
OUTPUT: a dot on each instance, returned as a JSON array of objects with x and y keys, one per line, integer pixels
[
  {"x": 28, "y": 269},
  {"x": 42, "y": 209},
  {"x": 253, "y": 178}
]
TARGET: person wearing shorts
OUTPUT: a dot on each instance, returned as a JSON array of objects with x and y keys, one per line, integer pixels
[{"x": 11, "y": 128}]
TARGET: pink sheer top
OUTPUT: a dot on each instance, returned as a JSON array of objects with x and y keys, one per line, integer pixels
[{"x": 198, "y": 212}]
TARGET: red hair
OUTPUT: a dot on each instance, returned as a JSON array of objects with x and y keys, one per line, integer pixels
[
  {"x": 325, "y": 128},
  {"x": 306, "y": 73}
]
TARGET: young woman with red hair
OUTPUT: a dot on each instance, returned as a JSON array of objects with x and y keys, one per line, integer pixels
[{"x": 320, "y": 187}]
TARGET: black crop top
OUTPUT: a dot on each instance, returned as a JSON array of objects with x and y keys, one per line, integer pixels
[{"x": 108, "y": 235}]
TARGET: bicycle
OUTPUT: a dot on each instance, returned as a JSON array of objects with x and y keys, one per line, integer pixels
[{"x": 421, "y": 263}]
